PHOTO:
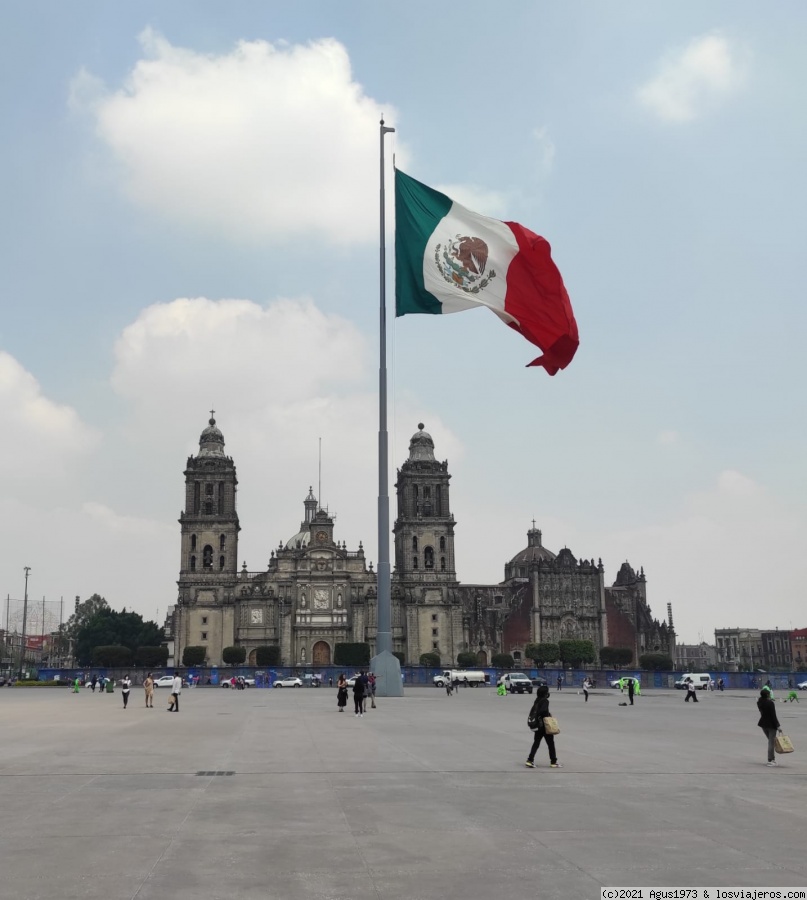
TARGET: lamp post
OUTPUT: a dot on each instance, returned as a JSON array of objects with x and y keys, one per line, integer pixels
[{"x": 24, "y": 622}]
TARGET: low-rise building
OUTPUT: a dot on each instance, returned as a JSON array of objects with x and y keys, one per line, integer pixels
[
  {"x": 798, "y": 648},
  {"x": 695, "y": 657}
]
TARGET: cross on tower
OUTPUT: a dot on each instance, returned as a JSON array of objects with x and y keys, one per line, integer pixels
[
  {"x": 533, "y": 524},
  {"x": 212, "y": 413}
]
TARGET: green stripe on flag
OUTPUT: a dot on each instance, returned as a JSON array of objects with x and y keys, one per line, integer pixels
[{"x": 418, "y": 209}]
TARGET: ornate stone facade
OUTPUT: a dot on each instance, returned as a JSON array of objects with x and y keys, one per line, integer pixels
[{"x": 316, "y": 593}]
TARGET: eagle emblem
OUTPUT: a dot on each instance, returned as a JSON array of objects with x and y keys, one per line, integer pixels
[{"x": 462, "y": 263}]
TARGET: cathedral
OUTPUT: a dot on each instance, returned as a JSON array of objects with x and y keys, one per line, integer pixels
[{"x": 316, "y": 593}]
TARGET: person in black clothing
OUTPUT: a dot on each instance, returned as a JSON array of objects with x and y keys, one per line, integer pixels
[
  {"x": 768, "y": 722},
  {"x": 540, "y": 709},
  {"x": 631, "y": 689},
  {"x": 358, "y": 693}
]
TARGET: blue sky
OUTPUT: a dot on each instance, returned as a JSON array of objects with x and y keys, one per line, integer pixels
[{"x": 161, "y": 160}]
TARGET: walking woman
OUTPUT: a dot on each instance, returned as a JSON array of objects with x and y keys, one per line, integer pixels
[
  {"x": 768, "y": 722},
  {"x": 540, "y": 709},
  {"x": 125, "y": 687},
  {"x": 341, "y": 692}
]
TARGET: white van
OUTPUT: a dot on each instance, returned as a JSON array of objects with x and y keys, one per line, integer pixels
[
  {"x": 466, "y": 677},
  {"x": 702, "y": 681}
]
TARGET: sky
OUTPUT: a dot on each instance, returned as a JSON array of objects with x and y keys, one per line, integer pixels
[{"x": 189, "y": 221}]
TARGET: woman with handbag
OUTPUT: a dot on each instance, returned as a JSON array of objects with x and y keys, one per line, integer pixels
[
  {"x": 341, "y": 692},
  {"x": 535, "y": 720},
  {"x": 768, "y": 722}
]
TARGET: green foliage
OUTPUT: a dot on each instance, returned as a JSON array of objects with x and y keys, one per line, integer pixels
[
  {"x": 542, "y": 654},
  {"x": 194, "y": 656},
  {"x": 616, "y": 656},
  {"x": 112, "y": 655},
  {"x": 356, "y": 655},
  {"x": 432, "y": 660},
  {"x": 575, "y": 653},
  {"x": 151, "y": 656},
  {"x": 234, "y": 656},
  {"x": 401, "y": 657},
  {"x": 29, "y": 682},
  {"x": 466, "y": 660},
  {"x": 106, "y": 627},
  {"x": 502, "y": 661},
  {"x": 656, "y": 662},
  {"x": 268, "y": 655}
]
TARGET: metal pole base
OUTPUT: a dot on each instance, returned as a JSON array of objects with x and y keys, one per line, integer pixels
[{"x": 387, "y": 669}]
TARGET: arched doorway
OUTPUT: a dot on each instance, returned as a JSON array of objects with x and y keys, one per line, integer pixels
[
  {"x": 321, "y": 654},
  {"x": 251, "y": 659},
  {"x": 482, "y": 658}
]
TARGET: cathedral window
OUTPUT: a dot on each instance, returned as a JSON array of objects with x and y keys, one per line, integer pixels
[
  {"x": 197, "y": 488},
  {"x": 414, "y": 562},
  {"x": 438, "y": 495},
  {"x": 204, "y": 635},
  {"x": 434, "y": 645},
  {"x": 207, "y": 557},
  {"x": 434, "y": 617},
  {"x": 193, "y": 542},
  {"x": 221, "y": 562},
  {"x": 427, "y": 507},
  {"x": 204, "y": 620},
  {"x": 221, "y": 497},
  {"x": 209, "y": 507},
  {"x": 427, "y": 493},
  {"x": 428, "y": 558},
  {"x": 442, "y": 563},
  {"x": 442, "y": 543},
  {"x": 222, "y": 541},
  {"x": 193, "y": 563},
  {"x": 208, "y": 490},
  {"x": 414, "y": 543}
]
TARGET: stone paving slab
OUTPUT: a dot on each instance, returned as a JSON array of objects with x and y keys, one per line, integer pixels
[{"x": 425, "y": 797}]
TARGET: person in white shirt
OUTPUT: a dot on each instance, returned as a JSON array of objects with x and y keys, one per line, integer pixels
[
  {"x": 176, "y": 690},
  {"x": 125, "y": 687}
]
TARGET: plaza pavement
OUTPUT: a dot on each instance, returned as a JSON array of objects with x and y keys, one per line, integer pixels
[{"x": 425, "y": 797}]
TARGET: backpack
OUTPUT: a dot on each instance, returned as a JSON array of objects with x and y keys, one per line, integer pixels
[{"x": 534, "y": 721}]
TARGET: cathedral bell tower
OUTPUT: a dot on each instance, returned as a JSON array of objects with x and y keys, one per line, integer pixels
[
  {"x": 424, "y": 529},
  {"x": 209, "y": 521}
]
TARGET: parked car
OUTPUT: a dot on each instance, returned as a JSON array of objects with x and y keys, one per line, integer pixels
[
  {"x": 249, "y": 681},
  {"x": 802, "y": 686},
  {"x": 288, "y": 682},
  {"x": 626, "y": 679},
  {"x": 352, "y": 680},
  {"x": 164, "y": 681},
  {"x": 312, "y": 680},
  {"x": 539, "y": 681},
  {"x": 516, "y": 683}
]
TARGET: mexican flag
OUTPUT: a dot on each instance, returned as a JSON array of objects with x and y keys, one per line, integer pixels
[{"x": 448, "y": 259}]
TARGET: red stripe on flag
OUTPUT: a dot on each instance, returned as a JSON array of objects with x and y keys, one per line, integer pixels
[{"x": 537, "y": 297}]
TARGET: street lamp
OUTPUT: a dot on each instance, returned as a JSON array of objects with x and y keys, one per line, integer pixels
[{"x": 24, "y": 622}]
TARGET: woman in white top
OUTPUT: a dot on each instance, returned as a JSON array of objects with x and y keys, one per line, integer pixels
[{"x": 125, "y": 687}]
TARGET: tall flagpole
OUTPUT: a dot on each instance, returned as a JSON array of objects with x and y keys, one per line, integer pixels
[{"x": 384, "y": 638}]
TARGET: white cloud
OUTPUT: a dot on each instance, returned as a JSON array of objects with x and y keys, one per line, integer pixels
[
  {"x": 266, "y": 141},
  {"x": 691, "y": 80},
  {"x": 669, "y": 436},
  {"x": 477, "y": 199},
  {"x": 545, "y": 152},
  {"x": 42, "y": 436}
]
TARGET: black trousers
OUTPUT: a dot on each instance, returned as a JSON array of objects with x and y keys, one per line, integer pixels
[
  {"x": 125, "y": 698},
  {"x": 357, "y": 702},
  {"x": 630, "y": 697},
  {"x": 175, "y": 702},
  {"x": 550, "y": 743},
  {"x": 691, "y": 694}
]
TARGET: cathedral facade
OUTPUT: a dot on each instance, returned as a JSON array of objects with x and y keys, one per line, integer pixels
[{"x": 316, "y": 593}]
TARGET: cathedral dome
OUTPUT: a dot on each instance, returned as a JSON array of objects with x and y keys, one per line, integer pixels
[
  {"x": 301, "y": 539},
  {"x": 211, "y": 441},
  {"x": 421, "y": 446},
  {"x": 534, "y": 550}
]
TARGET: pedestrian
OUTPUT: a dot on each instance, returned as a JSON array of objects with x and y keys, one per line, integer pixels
[
  {"x": 560, "y": 682},
  {"x": 125, "y": 687},
  {"x": 690, "y": 691},
  {"x": 176, "y": 690},
  {"x": 358, "y": 693},
  {"x": 76, "y": 684},
  {"x": 586, "y": 688},
  {"x": 148, "y": 687},
  {"x": 341, "y": 692},
  {"x": 330, "y": 681},
  {"x": 769, "y": 723},
  {"x": 449, "y": 687},
  {"x": 93, "y": 682},
  {"x": 455, "y": 685},
  {"x": 790, "y": 683},
  {"x": 631, "y": 689},
  {"x": 101, "y": 682},
  {"x": 371, "y": 678},
  {"x": 365, "y": 691},
  {"x": 540, "y": 709}
]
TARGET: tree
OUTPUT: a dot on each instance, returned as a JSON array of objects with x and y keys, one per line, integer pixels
[
  {"x": 151, "y": 656},
  {"x": 234, "y": 656},
  {"x": 356, "y": 655},
  {"x": 194, "y": 656},
  {"x": 616, "y": 656},
  {"x": 400, "y": 656},
  {"x": 656, "y": 662},
  {"x": 268, "y": 655},
  {"x": 112, "y": 655},
  {"x": 466, "y": 660},
  {"x": 541, "y": 654},
  {"x": 84, "y": 612},
  {"x": 107, "y": 626},
  {"x": 502, "y": 661},
  {"x": 432, "y": 660},
  {"x": 575, "y": 653}
]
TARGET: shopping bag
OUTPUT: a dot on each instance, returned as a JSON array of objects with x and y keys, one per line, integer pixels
[
  {"x": 551, "y": 725},
  {"x": 783, "y": 744}
]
